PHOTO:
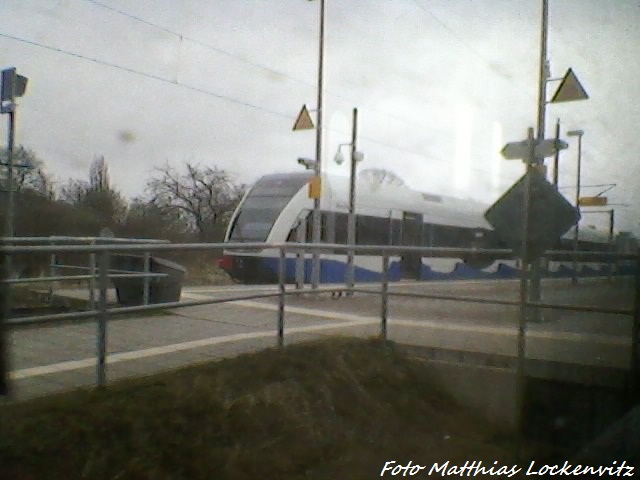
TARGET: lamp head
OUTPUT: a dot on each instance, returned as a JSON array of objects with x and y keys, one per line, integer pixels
[{"x": 575, "y": 133}]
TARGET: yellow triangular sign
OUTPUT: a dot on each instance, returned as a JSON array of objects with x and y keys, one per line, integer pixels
[
  {"x": 303, "y": 122},
  {"x": 569, "y": 89}
]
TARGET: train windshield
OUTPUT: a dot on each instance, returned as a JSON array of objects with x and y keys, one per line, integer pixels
[{"x": 262, "y": 206}]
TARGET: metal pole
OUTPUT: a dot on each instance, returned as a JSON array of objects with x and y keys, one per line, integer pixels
[
  {"x": 522, "y": 323},
  {"x": 8, "y": 229},
  {"x": 556, "y": 159},
  {"x": 612, "y": 247},
  {"x": 147, "y": 279},
  {"x": 536, "y": 266},
  {"x": 5, "y": 313},
  {"x": 281, "y": 296},
  {"x": 5, "y": 295},
  {"x": 315, "y": 267},
  {"x": 576, "y": 231},
  {"x": 634, "y": 384},
  {"x": 351, "y": 226},
  {"x": 384, "y": 310},
  {"x": 8, "y": 224},
  {"x": 101, "y": 336},
  {"x": 92, "y": 279},
  {"x": 52, "y": 273},
  {"x": 543, "y": 70},
  {"x": 301, "y": 235}
]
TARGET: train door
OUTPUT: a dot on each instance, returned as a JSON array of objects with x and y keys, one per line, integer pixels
[{"x": 411, "y": 237}]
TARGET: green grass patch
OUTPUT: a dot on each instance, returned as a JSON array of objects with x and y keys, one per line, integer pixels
[{"x": 338, "y": 408}]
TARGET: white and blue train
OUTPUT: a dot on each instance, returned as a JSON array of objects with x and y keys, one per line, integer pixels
[{"x": 277, "y": 208}]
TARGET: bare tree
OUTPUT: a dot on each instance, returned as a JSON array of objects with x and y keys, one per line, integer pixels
[
  {"x": 146, "y": 220},
  {"x": 96, "y": 196},
  {"x": 99, "y": 175},
  {"x": 28, "y": 172},
  {"x": 204, "y": 196}
]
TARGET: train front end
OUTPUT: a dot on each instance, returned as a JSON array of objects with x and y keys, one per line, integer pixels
[{"x": 262, "y": 216}]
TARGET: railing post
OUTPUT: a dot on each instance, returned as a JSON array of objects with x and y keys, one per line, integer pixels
[
  {"x": 521, "y": 379},
  {"x": 385, "y": 296},
  {"x": 613, "y": 263},
  {"x": 101, "y": 337},
  {"x": 52, "y": 273},
  {"x": 92, "y": 280},
  {"x": 635, "y": 335},
  {"x": 281, "y": 296},
  {"x": 301, "y": 235},
  {"x": 5, "y": 314},
  {"x": 147, "y": 278}
]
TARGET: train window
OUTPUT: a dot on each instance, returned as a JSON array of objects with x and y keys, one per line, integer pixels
[
  {"x": 412, "y": 229},
  {"x": 279, "y": 185},
  {"x": 427, "y": 235},
  {"x": 432, "y": 198},
  {"x": 300, "y": 229},
  {"x": 395, "y": 231},
  {"x": 291, "y": 237},
  {"x": 328, "y": 227},
  {"x": 372, "y": 230},
  {"x": 447, "y": 236},
  {"x": 256, "y": 218},
  {"x": 263, "y": 205},
  {"x": 323, "y": 227},
  {"x": 341, "y": 228},
  {"x": 369, "y": 230},
  {"x": 442, "y": 237}
]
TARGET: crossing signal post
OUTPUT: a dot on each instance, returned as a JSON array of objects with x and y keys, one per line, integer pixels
[
  {"x": 524, "y": 225},
  {"x": 13, "y": 86}
]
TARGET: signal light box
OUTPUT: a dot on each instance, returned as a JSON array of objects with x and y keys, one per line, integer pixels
[{"x": 592, "y": 201}]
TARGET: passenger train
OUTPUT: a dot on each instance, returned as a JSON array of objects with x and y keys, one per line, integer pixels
[{"x": 277, "y": 208}]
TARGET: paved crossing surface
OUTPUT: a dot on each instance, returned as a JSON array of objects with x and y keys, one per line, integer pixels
[{"x": 52, "y": 358}]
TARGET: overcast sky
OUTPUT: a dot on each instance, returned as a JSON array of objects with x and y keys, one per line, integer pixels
[{"x": 440, "y": 86}]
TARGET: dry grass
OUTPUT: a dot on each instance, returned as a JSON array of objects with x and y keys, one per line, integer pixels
[{"x": 332, "y": 409}]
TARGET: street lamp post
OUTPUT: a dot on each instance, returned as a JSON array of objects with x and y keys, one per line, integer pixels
[
  {"x": 351, "y": 219},
  {"x": 543, "y": 67},
  {"x": 316, "y": 225},
  {"x": 12, "y": 86},
  {"x": 576, "y": 133}
]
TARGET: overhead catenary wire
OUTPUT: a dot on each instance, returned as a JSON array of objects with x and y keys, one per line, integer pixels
[
  {"x": 273, "y": 71},
  {"x": 207, "y": 92},
  {"x": 270, "y": 70},
  {"x": 245, "y": 61},
  {"x": 145, "y": 74}
]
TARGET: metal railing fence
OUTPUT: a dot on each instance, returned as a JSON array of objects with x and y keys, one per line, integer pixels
[
  {"x": 103, "y": 311},
  {"x": 54, "y": 264}
]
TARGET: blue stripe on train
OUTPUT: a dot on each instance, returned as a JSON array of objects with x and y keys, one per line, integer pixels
[{"x": 334, "y": 271}]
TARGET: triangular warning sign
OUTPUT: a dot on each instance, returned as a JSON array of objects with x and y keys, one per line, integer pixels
[
  {"x": 303, "y": 122},
  {"x": 569, "y": 89}
]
